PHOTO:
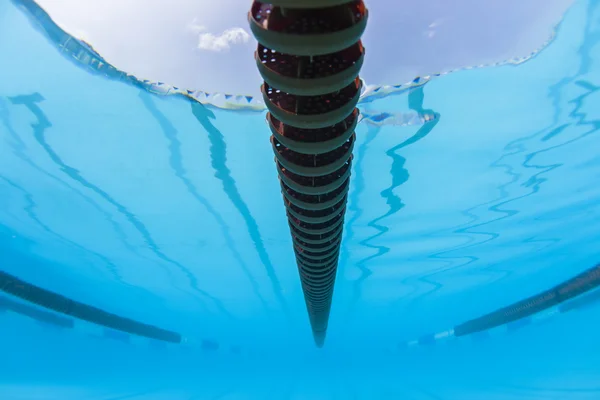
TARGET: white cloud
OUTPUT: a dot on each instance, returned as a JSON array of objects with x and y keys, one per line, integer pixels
[
  {"x": 224, "y": 41},
  {"x": 208, "y": 41},
  {"x": 432, "y": 31}
]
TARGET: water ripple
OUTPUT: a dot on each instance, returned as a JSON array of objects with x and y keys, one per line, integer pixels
[
  {"x": 218, "y": 156},
  {"x": 176, "y": 163},
  {"x": 30, "y": 211},
  {"x": 19, "y": 148},
  {"x": 39, "y": 129},
  {"x": 534, "y": 181},
  {"x": 399, "y": 176}
]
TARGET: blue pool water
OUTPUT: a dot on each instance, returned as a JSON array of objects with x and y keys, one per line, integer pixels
[{"x": 469, "y": 193}]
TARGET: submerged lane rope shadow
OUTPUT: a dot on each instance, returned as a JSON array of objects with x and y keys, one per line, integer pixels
[
  {"x": 176, "y": 163},
  {"x": 44, "y": 317},
  {"x": 39, "y": 129}
]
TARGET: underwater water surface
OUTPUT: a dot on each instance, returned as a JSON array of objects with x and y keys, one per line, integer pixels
[{"x": 470, "y": 192}]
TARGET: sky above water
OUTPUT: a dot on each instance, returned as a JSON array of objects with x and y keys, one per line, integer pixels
[{"x": 197, "y": 44}]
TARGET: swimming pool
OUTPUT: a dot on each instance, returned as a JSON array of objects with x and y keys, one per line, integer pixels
[{"x": 160, "y": 208}]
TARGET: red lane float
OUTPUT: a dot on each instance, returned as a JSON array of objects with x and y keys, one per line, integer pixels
[{"x": 310, "y": 55}]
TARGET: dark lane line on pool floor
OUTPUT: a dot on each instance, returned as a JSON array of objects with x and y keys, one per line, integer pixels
[
  {"x": 34, "y": 294},
  {"x": 576, "y": 293},
  {"x": 567, "y": 290}
]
